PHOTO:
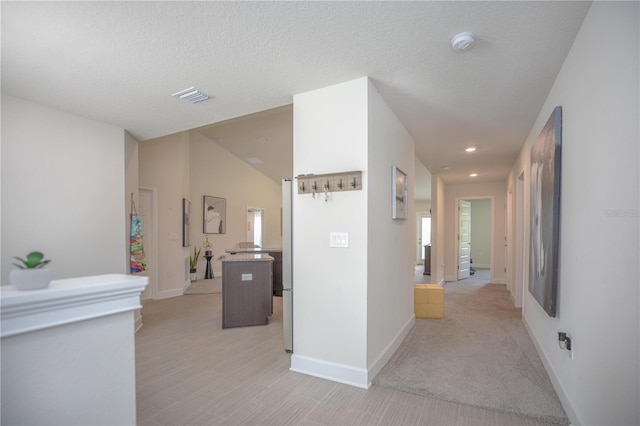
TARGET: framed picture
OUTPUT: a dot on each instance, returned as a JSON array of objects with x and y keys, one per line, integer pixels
[
  {"x": 186, "y": 217},
  {"x": 214, "y": 215},
  {"x": 545, "y": 213},
  {"x": 399, "y": 196}
]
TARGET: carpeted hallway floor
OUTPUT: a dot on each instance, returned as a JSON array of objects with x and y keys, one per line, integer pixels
[{"x": 479, "y": 355}]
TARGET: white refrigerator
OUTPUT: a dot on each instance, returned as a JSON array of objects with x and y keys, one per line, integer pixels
[{"x": 287, "y": 263}]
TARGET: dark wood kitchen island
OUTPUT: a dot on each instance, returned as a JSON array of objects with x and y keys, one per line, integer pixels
[{"x": 247, "y": 290}]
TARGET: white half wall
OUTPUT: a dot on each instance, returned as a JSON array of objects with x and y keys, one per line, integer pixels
[
  {"x": 598, "y": 297},
  {"x": 63, "y": 180}
]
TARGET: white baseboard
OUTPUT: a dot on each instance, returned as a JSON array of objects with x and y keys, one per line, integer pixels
[
  {"x": 451, "y": 278},
  {"x": 170, "y": 293},
  {"x": 573, "y": 418},
  {"x": 391, "y": 348},
  {"x": 358, "y": 377},
  {"x": 331, "y": 371},
  {"x": 499, "y": 281}
]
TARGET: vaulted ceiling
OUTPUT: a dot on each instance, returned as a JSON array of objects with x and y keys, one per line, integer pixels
[{"x": 120, "y": 62}]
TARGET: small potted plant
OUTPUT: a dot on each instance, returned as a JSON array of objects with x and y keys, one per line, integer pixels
[
  {"x": 193, "y": 263},
  {"x": 31, "y": 273}
]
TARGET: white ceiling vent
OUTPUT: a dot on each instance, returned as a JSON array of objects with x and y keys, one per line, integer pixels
[
  {"x": 191, "y": 95},
  {"x": 463, "y": 41}
]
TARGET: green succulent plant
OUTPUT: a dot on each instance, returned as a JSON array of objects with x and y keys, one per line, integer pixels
[
  {"x": 33, "y": 260},
  {"x": 193, "y": 260}
]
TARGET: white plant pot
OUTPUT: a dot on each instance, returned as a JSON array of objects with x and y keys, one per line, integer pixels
[
  {"x": 30, "y": 279},
  {"x": 193, "y": 276}
]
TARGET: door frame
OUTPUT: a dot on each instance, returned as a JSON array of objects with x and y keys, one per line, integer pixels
[
  {"x": 493, "y": 228},
  {"x": 152, "y": 261}
]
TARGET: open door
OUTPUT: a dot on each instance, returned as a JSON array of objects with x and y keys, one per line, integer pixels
[{"x": 464, "y": 239}]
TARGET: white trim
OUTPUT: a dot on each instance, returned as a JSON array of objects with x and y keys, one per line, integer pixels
[
  {"x": 340, "y": 373},
  {"x": 499, "y": 281},
  {"x": 573, "y": 418},
  {"x": 68, "y": 301},
  {"x": 391, "y": 348},
  {"x": 152, "y": 261}
]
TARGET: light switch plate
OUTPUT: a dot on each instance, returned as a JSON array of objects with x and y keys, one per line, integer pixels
[
  {"x": 247, "y": 277},
  {"x": 339, "y": 239}
]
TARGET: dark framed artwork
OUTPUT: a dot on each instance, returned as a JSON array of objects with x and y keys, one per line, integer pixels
[
  {"x": 545, "y": 213},
  {"x": 186, "y": 218},
  {"x": 214, "y": 215},
  {"x": 399, "y": 194}
]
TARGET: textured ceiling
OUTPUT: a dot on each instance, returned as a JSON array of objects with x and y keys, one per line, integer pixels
[{"x": 119, "y": 62}]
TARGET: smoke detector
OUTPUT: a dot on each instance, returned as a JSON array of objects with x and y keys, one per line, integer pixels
[{"x": 463, "y": 41}]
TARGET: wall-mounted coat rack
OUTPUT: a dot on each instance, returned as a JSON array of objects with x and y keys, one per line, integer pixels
[{"x": 329, "y": 182}]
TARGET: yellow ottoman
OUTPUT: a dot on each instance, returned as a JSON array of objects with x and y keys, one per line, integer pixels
[{"x": 428, "y": 300}]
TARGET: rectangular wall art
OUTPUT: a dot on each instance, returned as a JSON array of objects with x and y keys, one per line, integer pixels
[
  {"x": 214, "y": 215},
  {"x": 545, "y": 213}
]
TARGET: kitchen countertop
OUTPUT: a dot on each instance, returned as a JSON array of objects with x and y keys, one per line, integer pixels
[
  {"x": 253, "y": 250},
  {"x": 247, "y": 257}
]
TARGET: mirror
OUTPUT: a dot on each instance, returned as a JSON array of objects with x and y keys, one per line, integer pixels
[{"x": 214, "y": 215}]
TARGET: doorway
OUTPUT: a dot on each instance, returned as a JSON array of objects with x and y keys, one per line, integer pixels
[
  {"x": 255, "y": 225},
  {"x": 475, "y": 242},
  {"x": 423, "y": 227}
]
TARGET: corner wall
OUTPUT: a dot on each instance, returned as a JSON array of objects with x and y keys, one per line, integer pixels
[
  {"x": 598, "y": 297},
  {"x": 63, "y": 179},
  {"x": 353, "y": 305}
]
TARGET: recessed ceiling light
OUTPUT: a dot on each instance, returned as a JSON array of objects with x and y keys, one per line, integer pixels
[
  {"x": 445, "y": 167},
  {"x": 471, "y": 149},
  {"x": 254, "y": 160},
  {"x": 473, "y": 174},
  {"x": 463, "y": 41},
  {"x": 191, "y": 95}
]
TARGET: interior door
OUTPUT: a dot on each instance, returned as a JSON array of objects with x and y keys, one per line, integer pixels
[
  {"x": 423, "y": 228},
  {"x": 464, "y": 239}
]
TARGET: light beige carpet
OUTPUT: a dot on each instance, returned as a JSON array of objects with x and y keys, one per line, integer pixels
[
  {"x": 478, "y": 355},
  {"x": 213, "y": 285}
]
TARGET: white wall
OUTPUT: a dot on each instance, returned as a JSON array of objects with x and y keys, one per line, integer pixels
[
  {"x": 598, "y": 296},
  {"x": 164, "y": 165},
  {"x": 390, "y": 247},
  {"x": 481, "y": 232},
  {"x": 63, "y": 179},
  {"x": 339, "y": 292},
  {"x": 330, "y": 300},
  {"x": 496, "y": 190},
  {"x": 218, "y": 173}
]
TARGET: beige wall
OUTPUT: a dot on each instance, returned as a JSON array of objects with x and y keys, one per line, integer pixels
[
  {"x": 216, "y": 172},
  {"x": 189, "y": 165}
]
